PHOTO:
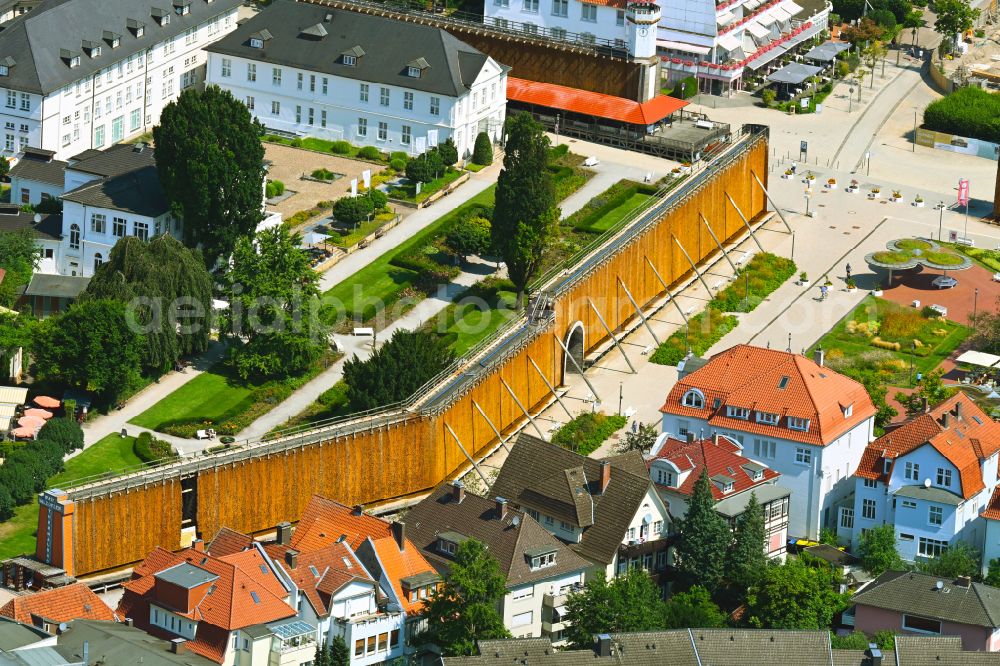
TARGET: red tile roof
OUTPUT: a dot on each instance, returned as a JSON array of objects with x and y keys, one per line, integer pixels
[
  {"x": 325, "y": 521},
  {"x": 750, "y": 377},
  {"x": 992, "y": 510},
  {"x": 964, "y": 443},
  {"x": 720, "y": 458},
  {"x": 62, "y": 604},
  {"x": 242, "y": 596},
  {"x": 336, "y": 565},
  {"x": 227, "y": 542},
  {"x": 589, "y": 103}
]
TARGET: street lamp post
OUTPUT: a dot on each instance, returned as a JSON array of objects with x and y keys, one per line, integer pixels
[
  {"x": 940, "y": 208},
  {"x": 914, "y": 130},
  {"x": 975, "y": 304},
  {"x": 850, "y": 99}
]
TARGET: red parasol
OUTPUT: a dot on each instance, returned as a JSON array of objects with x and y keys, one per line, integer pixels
[
  {"x": 40, "y": 413},
  {"x": 31, "y": 422},
  {"x": 46, "y": 402},
  {"x": 23, "y": 432}
]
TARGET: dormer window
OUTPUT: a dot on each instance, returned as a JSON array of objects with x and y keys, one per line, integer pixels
[
  {"x": 848, "y": 410},
  {"x": 737, "y": 412},
  {"x": 4, "y": 71},
  {"x": 138, "y": 28},
  {"x": 768, "y": 418},
  {"x": 182, "y": 7},
  {"x": 539, "y": 558},
  {"x": 350, "y": 60},
  {"x": 71, "y": 57},
  {"x": 161, "y": 16},
  {"x": 113, "y": 39},
  {"x": 93, "y": 49},
  {"x": 258, "y": 38},
  {"x": 415, "y": 68},
  {"x": 446, "y": 547},
  {"x": 796, "y": 423},
  {"x": 723, "y": 483},
  {"x": 256, "y": 43},
  {"x": 693, "y": 398},
  {"x": 665, "y": 478}
]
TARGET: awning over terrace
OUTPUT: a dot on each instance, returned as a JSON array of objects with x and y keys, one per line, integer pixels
[
  {"x": 979, "y": 358},
  {"x": 592, "y": 104},
  {"x": 826, "y": 52},
  {"x": 793, "y": 74},
  {"x": 682, "y": 46}
]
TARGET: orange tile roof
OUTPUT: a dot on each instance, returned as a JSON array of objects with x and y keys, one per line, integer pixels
[
  {"x": 324, "y": 521},
  {"x": 964, "y": 443},
  {"x": 992, "y": 510},
  {"x": 62, "y": 604},
  {"x": 400, "y": 564},
  {"x": 229, "y": 541},
  {"x": 231, "y": 604},
  {"x": 749, "y": 377},
  {"x": 332, "y": 572},
  {"x": 717, "y": 459},
  {"x": 589, "y": 103}
]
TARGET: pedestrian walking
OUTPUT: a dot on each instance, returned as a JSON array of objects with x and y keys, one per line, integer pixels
[
  {"x": 848, "y": 271},
  {"x": 635, "y": 426},
  {"x": 822, "y": 293}
]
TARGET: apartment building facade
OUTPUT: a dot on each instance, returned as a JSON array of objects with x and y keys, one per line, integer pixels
[
  {"x": 86, "y": 74},
  {"x": 309, "y": 70}
]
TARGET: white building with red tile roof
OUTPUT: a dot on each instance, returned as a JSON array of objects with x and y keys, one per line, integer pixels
[
  {"x": 931, "y": 478},
  {"x": 675, "y": 465},
  {"x": 803, "y": 420}
]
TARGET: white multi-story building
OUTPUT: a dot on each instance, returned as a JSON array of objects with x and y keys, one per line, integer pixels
[
  {"x": 717, "y": 42},
  {"x": 801, "y": 419},
  {"x": 931, "y": 478},
  {"x": 84, "y": 74},
  {"x": 308, "y": 70}
]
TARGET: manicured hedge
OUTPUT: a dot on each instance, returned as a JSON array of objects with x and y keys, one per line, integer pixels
[
  {"x": 704, "y": 331},
  {"x": 149, "y": 449},
  {"x": 969, "y": 112},
  {"x": 607, "y": 201}
]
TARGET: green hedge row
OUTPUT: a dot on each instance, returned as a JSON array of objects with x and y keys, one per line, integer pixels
[
  {"x": 969, "y": 112},
  {"x": 585, "y": 433},
  {"x": 149, "y": 449},
  {"x": 611, "y": 198}
]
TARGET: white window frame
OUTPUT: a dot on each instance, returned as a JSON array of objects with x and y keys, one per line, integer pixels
[
  {"x": 796, "y": 423},
  {"x": 911, "y": 471},
  {"x": 869, "y": 509},
  {"x": 693, "y": 398},
  {"x": 803, "y": 455},
  {"x": 735, "y": 412},
  {"x": 935, "y": 515}
]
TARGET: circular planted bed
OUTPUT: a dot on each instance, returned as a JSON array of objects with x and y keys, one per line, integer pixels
[
  {"x": 913, "y": 244},
  {"x": 907, "y": 253}
]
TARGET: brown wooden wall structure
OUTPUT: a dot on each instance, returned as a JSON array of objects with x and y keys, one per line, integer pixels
[
  {"x": 532, "y": 58},
  {"x": 398, "y": 454}
]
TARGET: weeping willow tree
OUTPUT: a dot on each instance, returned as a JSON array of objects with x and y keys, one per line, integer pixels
[{"x": 167, "y": 292}]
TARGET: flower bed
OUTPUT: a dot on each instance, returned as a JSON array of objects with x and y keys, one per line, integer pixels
[
  {"x": 703, "y": 331},
  {"x": 408, "y": 191},
  {"x": 765, "y": 273},
  {"x": 585, "y": 433}
]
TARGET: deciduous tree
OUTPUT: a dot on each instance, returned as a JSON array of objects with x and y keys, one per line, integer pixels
[
  {"x": 470, "y": 235},
  {"x": 464, "y": 609},
  {"x": 959, "y": 559},
  {"x": 641, "y": 440},
  {"x": 930, "y": 387},
  {"x": 211, "y": 164},
  {"x": 91, "y": 346},
  {"x": 274, "y": 308},
  {"x": 745, "y": 559},
  {"x": 167, "y": 292},
  {"x": 694, "y": 609},
  {"x": 953, "y": 17},
  {"x": 866, "y": 31},
  {"x": 704, "y": 538},
  {"x": 524, "y": 216},
  {"x": 64, "y": 431},
  {"x": 877, "y": 550},
  {"x": 396, "y": 369},
  {"x": 19, "y": 256},
  {"x": 799, "y": 594},
  {"x": 626, "y": 603}
]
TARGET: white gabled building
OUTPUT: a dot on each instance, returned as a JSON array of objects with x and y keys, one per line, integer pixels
[
  {"x": 932, "y": 479},
  {"x": 83, "y": 74},
  {"x": 801, "y": 419},
  {"x": 308, "y": 70}
]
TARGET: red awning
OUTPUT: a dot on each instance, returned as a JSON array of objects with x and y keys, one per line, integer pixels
[{"x": 592, "y": 104}]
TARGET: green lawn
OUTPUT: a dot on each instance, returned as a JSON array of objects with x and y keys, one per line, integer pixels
[
  {"x": 364, "y": 229},
  {"x": 619, "y": 213},
  {"x": 380, "y": 282},
  {"x": 332, "y": 403},
  {"x": 407, "y": 192},
  {"x": 215, "y": 396},
  {"x": 113, "y": 453},
  {"x": 865, "y": 341},
  {"x": 476, "y": 314}
]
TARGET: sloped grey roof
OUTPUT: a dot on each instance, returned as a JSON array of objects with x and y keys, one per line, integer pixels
[
  {"x": 388, "y": 46},
  {"x": 115, "y": 643},
  {"x": 34, "y": 40},
  {"x": 476, "y": 517},
  {"x": 38, "y": 166},
  {"x": 48, "y": 228},
  {"x": 116, "y": 160},
  {"x": 129, "y": 181},
  {"x": 531, "y": 477},
  {"x": 917, "y": 593}
]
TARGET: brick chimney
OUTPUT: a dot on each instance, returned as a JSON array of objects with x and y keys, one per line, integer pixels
[
  {"x": 358, "y": 510},
  {"x": 291, "y": 558},
  {"x": 689, "y": 437},
  {"x": 501, "y": 508},
  {"x": 925, "y": 405},
  {"x": 605, "y": 476},
  {"x": 958, "y": 410},
  {"x": 715, "y": 438},
  {"x": 946, "y": 420},
  {"x": 457, "y": 491},
  {"x": 819, "y": 356},
  {"x": 284, "y": 530},
  {"x": 398, "y": 528},
  {"x": 198, "y": 545}
]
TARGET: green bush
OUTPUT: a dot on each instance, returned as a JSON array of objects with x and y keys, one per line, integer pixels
[
  {"x": 765, "y": 273},
  {"x": 340, "y": 147},
  {"x": 369, "y": 153},
  {"x": 399, "y": 155},
  {"x": 323, "y": 174},
  {"x": 379, "y": 199},
  {"x": 969, "y": 112},
  {"x": 853, "y": 61},
  {"x": 585, "y": 433},
  {"x": 66, "y": 432},
  {"x": 470, "y": 236},
  {"x": 482, "y": 153},
  {"x": 448, "y": 152},
  {"x": 398, "y": 164},
  {"x": 295, "y": 143},
  {"x": 420, "y": 169},
  {"x": 685, "y": 88},
  {"x": 274, "y": 188},
  {"x": 702, "y": 332},
  {"x": 352, "y": 210},
  {"x": 767, "y": 96},
  {"x": 149, "y": 449}
]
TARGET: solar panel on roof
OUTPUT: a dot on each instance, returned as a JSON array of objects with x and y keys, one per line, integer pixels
[
  {"x": 314, "y": 570},
  {"x": 253, "y": 595},
  {"x": 263, "y": 568}
]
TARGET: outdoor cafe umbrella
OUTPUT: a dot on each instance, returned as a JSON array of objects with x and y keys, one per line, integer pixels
[
  {"x": 40, "y": 413},
  {"x": 46, "y": 402},
  {"x": 31, "y": 422},
  {"x": 23, "y": 432}
]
